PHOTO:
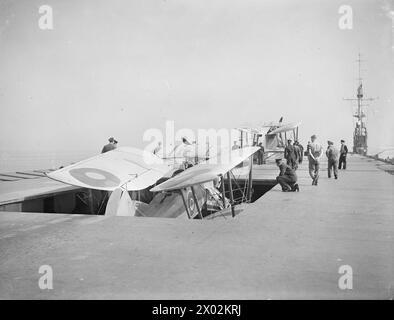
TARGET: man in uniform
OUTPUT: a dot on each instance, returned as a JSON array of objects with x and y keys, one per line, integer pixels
[
  {"x": 235, "y": 146},
  {"x": 342, "y": 156},
  {"x": 260, "y": 154},
  {"x": 157, "y": 149},
  {"x": 301, "y": 151},
  {"x": 291, "y": 155},
  {"x": 314, "y": 154},
  {"x": 332, "y": 156},
  {"x": 110, "y": 146},
  {"x": 287, "y": 177}
]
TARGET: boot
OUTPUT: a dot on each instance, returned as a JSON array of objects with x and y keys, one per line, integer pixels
[{"x": 296, "y": 188}]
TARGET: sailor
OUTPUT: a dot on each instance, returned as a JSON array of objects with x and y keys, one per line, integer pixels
[
  {"x": 260, "y": 154},
  {"x": 300, "y": 151},
  {"x": 297, "y": 151},
  {"x": 308, "y": 146},
  {"x": 235, "y": 146},
  {"x": 287, "y": 177},
  {"x": 342, "y": 156},
  {"x": 291, "y": 155},
  {"x": 110, "y": 146},
  {"x": 157, "y": 149},
  {"x": 185, "y": 141},
  {"x": 314, "y": 154},
  {"x": 332, "y": 156}
]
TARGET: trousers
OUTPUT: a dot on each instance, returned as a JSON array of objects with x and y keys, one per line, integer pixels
[
  {"x": 342, "y": 160},
  {"x": 332, "y": 166},
  {"x": 286, "y": 182},
  {"x": 314, "y": 167}
]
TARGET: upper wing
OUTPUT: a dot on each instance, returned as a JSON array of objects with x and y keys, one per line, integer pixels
[
  {"x": 285, "y": 127},
  {"x": 206, "y": 171},
  {"x": 113, "y": 169},
  {"x": 270, "y": 124},
  {"x": 188, "y": 152}
]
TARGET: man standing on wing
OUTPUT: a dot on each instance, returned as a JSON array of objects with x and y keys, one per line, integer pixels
[
  {"x": 315, "y": 152},
  {"x": 110, "y": 146}
]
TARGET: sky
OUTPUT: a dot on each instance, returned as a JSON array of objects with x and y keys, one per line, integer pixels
[{"x": 117, "y": 68}]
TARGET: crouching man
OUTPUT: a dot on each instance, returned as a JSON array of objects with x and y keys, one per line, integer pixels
[{"x": 287, "y": 177}]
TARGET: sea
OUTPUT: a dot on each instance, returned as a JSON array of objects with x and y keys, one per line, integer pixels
[{"x": 22, "y": 160}]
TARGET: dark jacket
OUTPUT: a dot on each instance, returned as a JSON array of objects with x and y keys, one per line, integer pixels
[
  {"x": 343, "y": 150},
  {"x": 286, "y": 170},
  {"x": 299, "y": 152},
  {"x": 291, "y": 153},
  {"x": 108, "y": 147},
  {"x": 332, "y": 153}
]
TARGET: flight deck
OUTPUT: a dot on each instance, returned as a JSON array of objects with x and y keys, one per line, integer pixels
[{"x": 283, "y": 246}]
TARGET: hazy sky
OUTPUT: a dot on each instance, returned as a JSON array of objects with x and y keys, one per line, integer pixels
[{"x": 117, "y": 68}]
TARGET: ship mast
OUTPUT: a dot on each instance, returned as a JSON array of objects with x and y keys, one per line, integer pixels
[{"x": 360, "y": 134}]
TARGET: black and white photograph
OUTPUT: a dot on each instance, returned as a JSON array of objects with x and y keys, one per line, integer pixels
[{"x": 217, "y": 151}]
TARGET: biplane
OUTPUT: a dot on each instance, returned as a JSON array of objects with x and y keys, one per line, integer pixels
[
  {"x": 271, "y": 136},
  {"x": 139, "y": 183},
  {"x": 135, "y": 179}
]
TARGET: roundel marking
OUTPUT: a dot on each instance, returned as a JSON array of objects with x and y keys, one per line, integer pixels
[
  {"x": 191, "y": 203},
  {"x": 95, "y": 177}
]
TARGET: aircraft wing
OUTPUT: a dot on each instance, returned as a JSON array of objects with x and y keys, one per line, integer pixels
[
  {"x": 206, "y": 171},
  {"x": 249, "y": 130},
  {"x": 137, "y": 169},
  {"x": 183, "y": 151},
  {"x": 243, "y": 129},
  {"x": 270, "y": 124},
  {"x": 285, "y": 127}
]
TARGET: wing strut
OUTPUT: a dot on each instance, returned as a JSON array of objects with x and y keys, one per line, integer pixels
[
  {"x": 196, "y": 201},
  {"x": 184, "y": 203},
  {"x": 223, "y": 192},
  {"x": 250, "y": 180},
  {"x": 231, "y": 194}
]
